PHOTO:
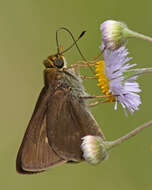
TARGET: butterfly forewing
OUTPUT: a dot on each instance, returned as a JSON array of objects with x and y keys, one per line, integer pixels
[{"x": 35, "y": 153}]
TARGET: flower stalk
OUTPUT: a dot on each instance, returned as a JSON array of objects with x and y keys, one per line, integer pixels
[
  {"x": 136, "y": 72},
  {"x": 127, "y": 33},
  {"x": 116, "y": 142}
]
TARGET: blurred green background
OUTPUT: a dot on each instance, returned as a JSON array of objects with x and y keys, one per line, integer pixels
[{"x": 27, "y": 37}]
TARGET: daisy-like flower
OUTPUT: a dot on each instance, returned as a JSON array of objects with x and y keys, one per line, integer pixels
[
  {"x": 115, "y": 34},
  {"x": 113, "y": 83},
  {"x": 94, "y": 149}
]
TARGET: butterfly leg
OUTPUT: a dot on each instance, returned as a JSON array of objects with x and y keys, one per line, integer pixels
[
  {"x": 80, "y": 64},
  {"x": 96, "y": 97},
  {"x": 88, "y": 77},
  {"x": 97, "y": 102}
]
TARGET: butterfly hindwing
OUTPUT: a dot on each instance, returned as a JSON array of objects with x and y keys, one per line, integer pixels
[{"x": 71, "y": 121}]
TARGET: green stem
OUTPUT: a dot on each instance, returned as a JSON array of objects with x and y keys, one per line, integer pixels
[
  {"x": 135, "y": 72},
  {"x": 130, "y": 33},
  {"x": 141, "y": 71},
  {"x": 116, "y": 142}
]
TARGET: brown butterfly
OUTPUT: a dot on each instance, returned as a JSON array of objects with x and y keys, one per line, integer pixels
[{"x": 60, "y": 119}]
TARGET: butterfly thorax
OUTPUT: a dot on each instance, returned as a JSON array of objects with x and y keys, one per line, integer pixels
[{"x": 64, "y": 80}]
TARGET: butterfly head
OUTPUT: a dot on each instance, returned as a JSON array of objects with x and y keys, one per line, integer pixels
[{"x": 55, "y": 61}]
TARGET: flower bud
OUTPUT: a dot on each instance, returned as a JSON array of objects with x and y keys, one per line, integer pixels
[
  {"x": 94, "y": 149},
  {"x": 112, "y": 34},
  {"x": 115, "y": 34}
]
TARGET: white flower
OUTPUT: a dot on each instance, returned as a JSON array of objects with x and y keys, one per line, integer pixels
[{"x": 111, "y": 79}]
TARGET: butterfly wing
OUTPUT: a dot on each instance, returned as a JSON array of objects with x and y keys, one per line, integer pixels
[
  {"x": 35, "y": 153},
  {"x": 71, "y": 122}
]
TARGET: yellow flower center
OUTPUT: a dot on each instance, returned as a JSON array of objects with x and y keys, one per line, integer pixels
[{"x": 103, "y": 82}]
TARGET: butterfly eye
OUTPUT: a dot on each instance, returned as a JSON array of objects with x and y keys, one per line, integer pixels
[
  {"x": 58, "y": 62},
  {"x": 54, "y": 61}
]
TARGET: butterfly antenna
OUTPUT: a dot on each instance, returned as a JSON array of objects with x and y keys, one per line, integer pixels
[{"x": 74, "y": 44}]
